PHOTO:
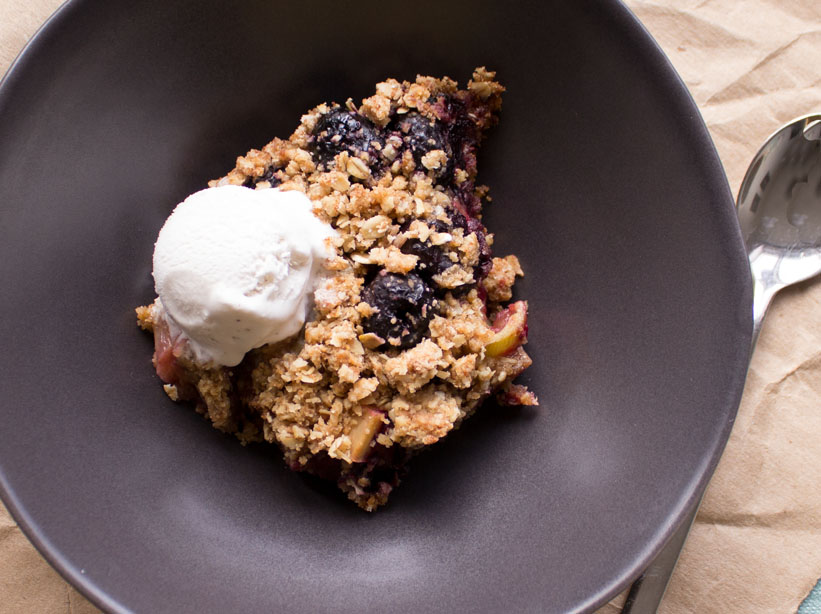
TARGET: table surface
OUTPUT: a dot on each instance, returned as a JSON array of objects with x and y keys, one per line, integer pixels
[{"x": 756, "y": 545}]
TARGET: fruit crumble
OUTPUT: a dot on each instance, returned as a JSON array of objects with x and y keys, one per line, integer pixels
[{"x": 406, "y": 329}]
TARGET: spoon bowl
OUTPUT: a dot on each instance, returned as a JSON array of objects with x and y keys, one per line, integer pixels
[{"x": 779, "y": 210}]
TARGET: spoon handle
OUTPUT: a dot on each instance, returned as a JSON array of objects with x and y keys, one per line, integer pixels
[
  {"x": 646, "y": 593},
  {"x": 762, "y": 296}
]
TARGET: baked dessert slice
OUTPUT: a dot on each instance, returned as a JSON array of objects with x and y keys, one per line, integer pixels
[{"x": 409, "y": 329}]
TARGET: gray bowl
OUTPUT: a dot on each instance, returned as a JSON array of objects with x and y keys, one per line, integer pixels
[{"x": 605, "y": 183}]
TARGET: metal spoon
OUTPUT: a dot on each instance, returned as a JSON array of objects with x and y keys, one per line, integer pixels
[{"x": 779, "y": 210}]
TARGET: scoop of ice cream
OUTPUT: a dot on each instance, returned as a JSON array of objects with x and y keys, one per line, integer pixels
[{"x": 234, "y": 269}]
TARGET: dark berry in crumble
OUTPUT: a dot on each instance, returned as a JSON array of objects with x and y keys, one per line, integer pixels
[
  {"x": 340, "y": 130},
  {"x": 432, "y": 259},
  {"x": 421, "y": 136},
  {"x": 404, "y": 305},
  {"x": 462, "y": 133},
  {"x": 485, "y": 257},
  {"x": 460, "y": 218},
  {"x": 269, "y": 175}
]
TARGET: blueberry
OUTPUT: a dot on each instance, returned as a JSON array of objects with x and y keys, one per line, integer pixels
[
  {"x": 471, "y": 225},
  {"x": 339, "y": 130},
  {"x": 421, "y": 136},
  {"x": 432, "y": 259},
  {"x": 462, "y": 132},
  {"x": 384, "y": 470},
  {"x": 463, "y": 121},
  {"x": 466, "y": 195},
  {"x": 404, "y": 306},
  {"x": 457, "y": 219},
  {"x": 268, "y": 176},
  {"x": 482, "y": 269}
]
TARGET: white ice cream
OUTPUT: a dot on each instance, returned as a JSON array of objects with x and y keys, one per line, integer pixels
[{"x": 234, "y": 269}]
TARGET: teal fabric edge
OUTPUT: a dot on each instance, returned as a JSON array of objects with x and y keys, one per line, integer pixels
[{"x": 812, "y": 604}]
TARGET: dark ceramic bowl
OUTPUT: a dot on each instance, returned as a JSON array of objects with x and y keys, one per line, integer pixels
[{"x": 605, "y": 183}]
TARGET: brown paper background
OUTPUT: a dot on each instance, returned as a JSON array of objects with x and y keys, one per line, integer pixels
[{"x": 751, "y": 65}]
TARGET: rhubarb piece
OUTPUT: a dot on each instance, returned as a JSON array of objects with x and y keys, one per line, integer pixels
[
  {"x": 167, "y": 351},
  {"x": 511, "y": 327},
  {"x": 363, "y": 432},
  {"x": 516, "y": 395}
]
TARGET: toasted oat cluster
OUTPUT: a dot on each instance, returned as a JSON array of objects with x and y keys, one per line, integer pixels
[{"x": 409, "y": 331}]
